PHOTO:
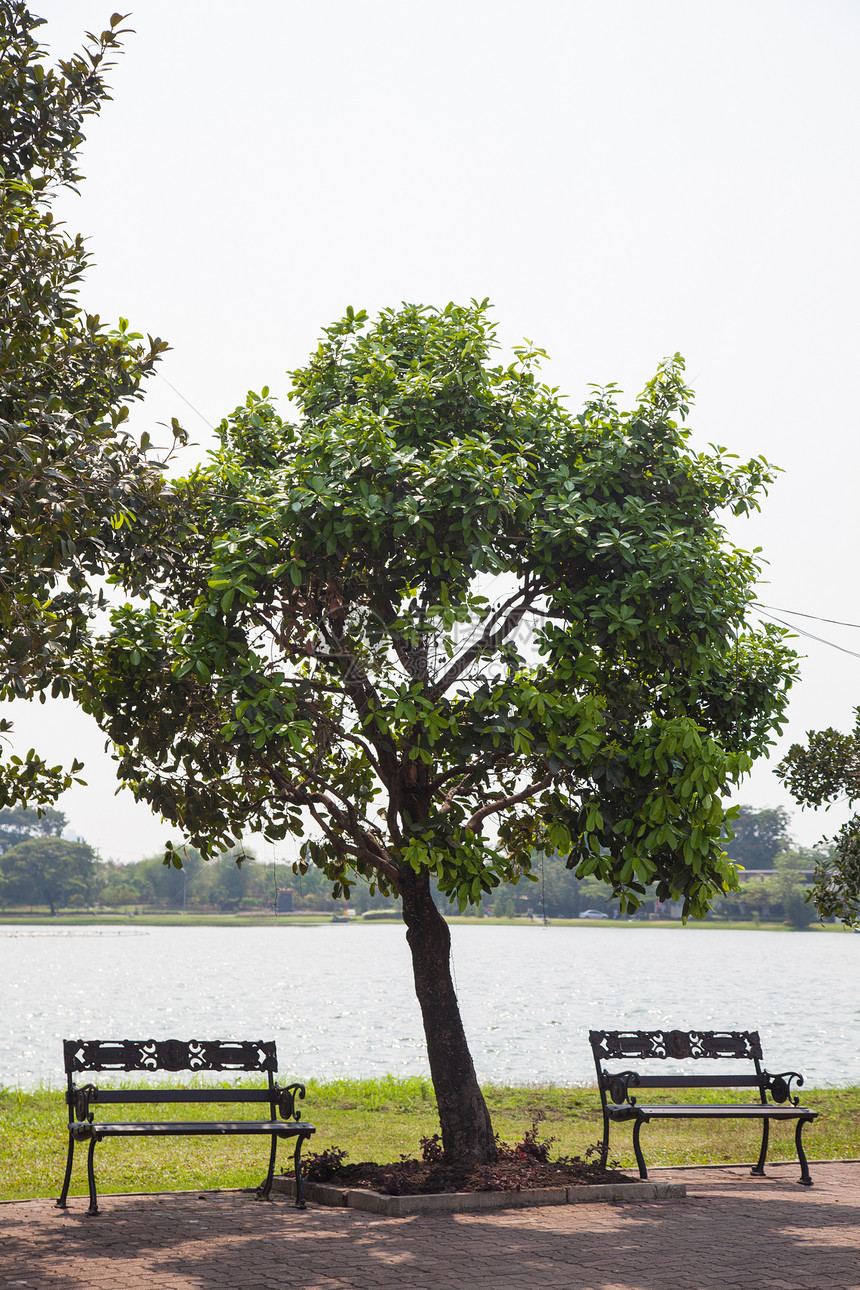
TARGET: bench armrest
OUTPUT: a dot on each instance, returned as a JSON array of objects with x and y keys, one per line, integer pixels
[
  {"x": 619, "y": 1085},
  {"x": 286, "y": 1095},
  {"x": 79, "y": 1100},
  {"x": 779, "y": 1086}
]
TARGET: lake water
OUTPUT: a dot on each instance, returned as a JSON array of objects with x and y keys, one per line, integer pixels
[{"x": 339, "y": 998}]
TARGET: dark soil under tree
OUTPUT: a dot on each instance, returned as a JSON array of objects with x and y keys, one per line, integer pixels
[
  {"x": 520, "y": 1167},
  {"x": 416, "y": 1178}
]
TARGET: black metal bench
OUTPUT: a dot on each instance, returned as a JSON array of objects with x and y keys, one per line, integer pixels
[
  {"x": 679, "y": 1045},
  {"x": 175, "y": 1055}
]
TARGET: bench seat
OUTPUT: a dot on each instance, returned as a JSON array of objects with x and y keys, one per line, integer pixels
[
  {"x": 708, "y": 1111},
  {"x": 185, "y": 1128}
]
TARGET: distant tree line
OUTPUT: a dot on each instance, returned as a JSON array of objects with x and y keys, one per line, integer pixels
[{"x": 38, "y": 867}]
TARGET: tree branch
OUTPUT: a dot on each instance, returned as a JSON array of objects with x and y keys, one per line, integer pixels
[
  {"x": 360, "y": 831},
  {"x": 364, "y": 848},
  {"x": 501, "y": 803},
  {"x": 357, "y": 685},
  {"x": 437, "y": 783},
  {"x": 492, "y": 635}
]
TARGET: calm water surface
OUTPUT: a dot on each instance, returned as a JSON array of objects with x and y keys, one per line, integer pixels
[{"x": 339, "y": 999}]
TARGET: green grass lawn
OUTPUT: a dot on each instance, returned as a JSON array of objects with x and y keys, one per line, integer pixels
[{"x": 380, "y": 1120}]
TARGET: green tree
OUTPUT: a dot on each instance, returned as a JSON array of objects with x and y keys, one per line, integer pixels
[
  {"x": 824, "y": 770},
  {"x": 116, "y": 884},
  {"x": 17, "y": 824},
  {"x": 789, "y": 886},
  {"x": 759, "y": 836},
  {"x": 72, "y": 480},
  {"x": 441, "y": 624},
  {"x": 48, "y": 871},
  {"x": 169, "y": 886},
  {"x": 227, "y": 880}
]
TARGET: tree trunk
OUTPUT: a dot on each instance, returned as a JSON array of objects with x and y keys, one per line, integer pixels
[{"x": 467, "y": 1132}]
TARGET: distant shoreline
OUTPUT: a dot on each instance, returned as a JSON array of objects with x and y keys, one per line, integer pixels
[{"x": 313, "y": 919}]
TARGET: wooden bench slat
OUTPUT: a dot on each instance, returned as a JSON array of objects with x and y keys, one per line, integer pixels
[
  {"x": 133, "y": 1096},
  {"x": 696, "y": 1081},
  {"x": 710, "y": 1111},
  {"x": 191, "y": 1128}
]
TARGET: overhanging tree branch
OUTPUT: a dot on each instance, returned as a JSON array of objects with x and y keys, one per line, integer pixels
[{"x": 504, "y": 803}]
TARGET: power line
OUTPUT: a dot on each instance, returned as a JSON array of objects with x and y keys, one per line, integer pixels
[
  {"x": 801, "y": 632},
  {"x": 795, "y": 613},
  {"x": 180, "y": 395}
]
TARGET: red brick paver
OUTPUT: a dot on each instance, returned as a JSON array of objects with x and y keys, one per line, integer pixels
[{"x": 731, "y": 1231}]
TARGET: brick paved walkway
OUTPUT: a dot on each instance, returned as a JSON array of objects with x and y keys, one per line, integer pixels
[{"x": 731, "y": 1231}]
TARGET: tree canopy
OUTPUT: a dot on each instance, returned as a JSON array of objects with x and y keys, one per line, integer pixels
[
  {"x": 439, "y": 624},
  {"x": 72, "y": 479},
  {"x": 17, "y": 824},
  {"x": 825, "y": 770},
  {"x": 47, "y": 870}
]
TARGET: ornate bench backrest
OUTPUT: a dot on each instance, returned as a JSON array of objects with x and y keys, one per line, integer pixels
[
  {"x": 609, "y": 1045},
  {"x": 169, "y": 1055},
  {"x": 676, "y": 1045}
]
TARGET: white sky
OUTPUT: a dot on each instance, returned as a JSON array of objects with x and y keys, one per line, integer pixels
[{"x": 622, "y": 178}]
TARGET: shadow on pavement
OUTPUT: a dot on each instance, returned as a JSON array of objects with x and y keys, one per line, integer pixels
[{"x": 729, "y": 1232}]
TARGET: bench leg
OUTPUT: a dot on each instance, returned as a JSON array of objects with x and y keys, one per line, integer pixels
[
  {"x": 61, "y": 1202},
  {"x": 640, "y": 1159},
  {"x": 758, "y": 1169},
  {"x": 266, "y": 1185},
  {"x": 91, "y": 1179},
  {"x": 297, "y": 1170},
  {"x": 604, "y": 1147},
  {"x": 805, "y": 1180}
]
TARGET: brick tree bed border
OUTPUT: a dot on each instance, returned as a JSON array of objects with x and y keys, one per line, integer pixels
[{"x": 375, "y": 1202}]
